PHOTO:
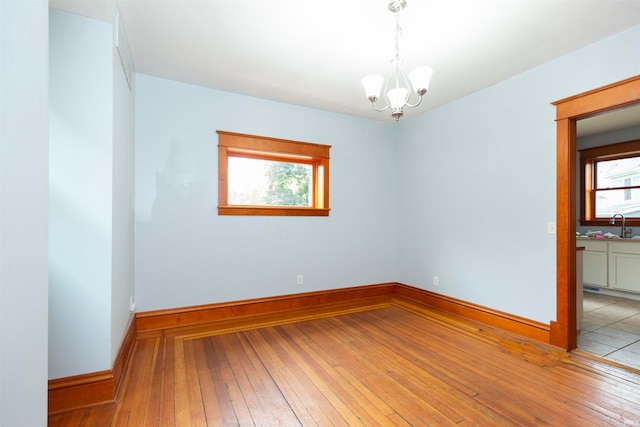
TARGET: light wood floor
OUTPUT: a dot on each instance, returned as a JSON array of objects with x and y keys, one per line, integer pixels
[{"x": 394, "y": 365}]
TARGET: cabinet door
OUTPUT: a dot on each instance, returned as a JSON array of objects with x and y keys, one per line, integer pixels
[
  {"x": 594, "y": 268},
  {"x": 624, "y": 271}
]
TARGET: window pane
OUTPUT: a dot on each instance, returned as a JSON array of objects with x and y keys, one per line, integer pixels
[
  {"x": 269, "y": 183},
  {"x": 618, "y": 172},
  {"x": 611, "y": 202}
]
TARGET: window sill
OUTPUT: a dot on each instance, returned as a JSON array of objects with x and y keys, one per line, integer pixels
[{"x": 271, "y": 211}]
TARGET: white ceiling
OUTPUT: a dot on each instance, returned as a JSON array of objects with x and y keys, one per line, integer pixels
[{"x": 315, "y": 52}]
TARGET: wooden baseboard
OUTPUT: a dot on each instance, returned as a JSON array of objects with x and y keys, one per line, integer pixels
[
  {"x": 94, "y": 388},
  {"x": 519, "y": 325},
  {"x": 80, "y": 390},
  {"x": 188, "y": 316},
  {"x": 99, "y": 387},
  {"x": 123, "y": 356}
]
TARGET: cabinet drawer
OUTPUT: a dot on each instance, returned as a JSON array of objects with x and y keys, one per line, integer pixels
[
  {"x": 625, "y": 247},
  {"x": 593, "y": 245}
]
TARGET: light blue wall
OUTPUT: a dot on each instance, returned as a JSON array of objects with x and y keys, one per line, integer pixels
[
  {"x": 80, "y": 208},
  {"x": 24, "y": 150},
  {"x": 188, "y": 255},
  {"x": 477, "y": 187},
  {"x": 472, "y": 193},
  {"x": 91, "y": 205},
  {"x": 123, "y": 233}
]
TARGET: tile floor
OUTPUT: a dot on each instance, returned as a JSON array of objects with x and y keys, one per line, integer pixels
[{"x": 611, "y": 328}]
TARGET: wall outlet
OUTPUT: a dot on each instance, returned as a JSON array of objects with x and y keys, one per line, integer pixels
[
  {"x": 300, "y": 279},
  {"x": 132, "y": 305},
  {"x": 551, "y": 227},
  {"x": 436, "y": 281}
]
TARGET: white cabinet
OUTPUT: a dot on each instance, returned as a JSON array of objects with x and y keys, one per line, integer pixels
[
  {"x": 594, "y": 261},
  {"x": 624, "y": 266},
  {"x": 613, "y": 264}
]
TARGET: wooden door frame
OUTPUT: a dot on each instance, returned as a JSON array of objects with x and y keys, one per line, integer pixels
[{"x": 568, "y": 111}]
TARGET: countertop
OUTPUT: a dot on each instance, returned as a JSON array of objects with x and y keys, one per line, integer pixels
[{"x": 608, "y": 239}]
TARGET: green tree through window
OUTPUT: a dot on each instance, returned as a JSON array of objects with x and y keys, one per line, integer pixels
[{"x": 288, "y": 184}]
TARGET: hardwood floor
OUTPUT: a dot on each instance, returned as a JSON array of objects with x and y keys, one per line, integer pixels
[{"x": 399, "y": 364}]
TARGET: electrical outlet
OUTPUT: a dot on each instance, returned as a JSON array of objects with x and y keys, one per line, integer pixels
[
  {"x": 300, "y": 279},
  {"x": 551, "y": 227},
  {"x": 436, "y": 281}
]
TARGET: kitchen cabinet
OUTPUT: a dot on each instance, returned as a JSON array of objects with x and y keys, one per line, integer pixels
[
  {"x": 624, "y": 266},
  {"x": 595, "y": 260}
]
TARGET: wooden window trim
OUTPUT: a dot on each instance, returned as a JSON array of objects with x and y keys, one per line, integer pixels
[
  {"x": 588, "y": 157},
  {"x": 261, "y": 147}
]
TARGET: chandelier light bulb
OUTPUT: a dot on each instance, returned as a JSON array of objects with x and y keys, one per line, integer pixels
[
  {"x": 420, "y": 78},
  {"x": 397, "y": 99},
  {"x": 372, "y": 86}
]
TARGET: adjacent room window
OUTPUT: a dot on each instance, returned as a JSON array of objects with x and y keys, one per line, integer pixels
[
  {"x": 610, "y": 183},
  {"x": 258, "y": 175}
]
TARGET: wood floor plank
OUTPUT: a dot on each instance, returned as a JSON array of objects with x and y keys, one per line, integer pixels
[
  {"x": 93, "y": 416},
  {"x": 155, "y": 412},
  {"x": 513, "y": 369},
  {"x": 548, "y": 409},
  {"x": 376, "y": 371},
  {"x": 401, "y": 365},
  {"x": 374, "y": 407},
  {"x": 587, "y": 397},
  {"x": 218, "y": 368},
  {"x": 164, "y": 385},
  {"x": 105, "y": 416},
  {"x": 197, "y": 416},
  {"x": 134, "y": 399},
  {"x": 90, "y": 416},
  {"x": 273, "y": 404},
  {"x": 183, "y": 412},
  {"x": 432, "y": 388},
  {"x": 314, "y": 389},
  {"x": 306, "y": 413},
  {"x": 250, "y": 385},
  {"x": 143, "y": 400},
  {"x": 402, "y": 373},
  {"x": 210, "y": 399},
  {"x": 67, "y": 419},
  {"x": 325, "y": 365}
]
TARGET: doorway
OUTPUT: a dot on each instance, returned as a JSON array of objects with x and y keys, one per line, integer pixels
[{"x": 563, "y": 332}]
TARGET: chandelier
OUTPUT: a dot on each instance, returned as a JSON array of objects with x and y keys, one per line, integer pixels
[{"x": 397, "y": 89}]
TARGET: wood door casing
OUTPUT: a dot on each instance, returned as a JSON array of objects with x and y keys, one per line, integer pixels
[{"x": 568, "y": 112}]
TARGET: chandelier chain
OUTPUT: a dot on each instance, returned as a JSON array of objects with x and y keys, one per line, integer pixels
[{"x": 398, "y": 33}]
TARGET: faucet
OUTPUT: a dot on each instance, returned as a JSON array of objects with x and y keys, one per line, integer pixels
[{"x": 613, "y": 221}]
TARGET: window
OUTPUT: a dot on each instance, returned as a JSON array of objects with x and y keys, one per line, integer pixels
[
  {"x": 610, "y": 183},
  {"x": 268, "y": 176}
]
